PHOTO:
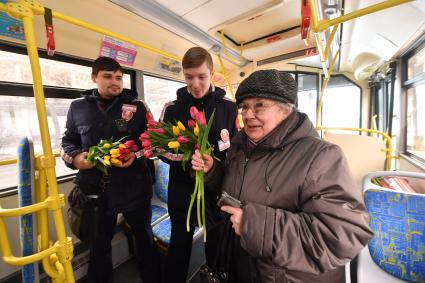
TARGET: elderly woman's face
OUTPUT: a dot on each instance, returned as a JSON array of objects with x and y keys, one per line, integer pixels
[{"x": 260, "y": 116}]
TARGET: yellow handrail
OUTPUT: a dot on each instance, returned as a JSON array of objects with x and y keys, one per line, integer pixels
[
  {"x": 226, "y": 78},
  {"x": 25, "y": 10},
  {"x": 387, "y": 138}
]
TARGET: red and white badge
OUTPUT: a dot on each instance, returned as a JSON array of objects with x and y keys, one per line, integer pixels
[
  {"x": 127, "y": 111},
  {"x": 224, "y": 143}
]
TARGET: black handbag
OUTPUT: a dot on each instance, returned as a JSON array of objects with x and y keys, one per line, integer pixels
[{"x": 83, "y": 215}]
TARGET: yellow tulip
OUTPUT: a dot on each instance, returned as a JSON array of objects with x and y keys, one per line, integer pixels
[
  {"x": 107, "y": 145},
  {"x": 106, "y": 157},
  {"x": 196, "y": 130},
  {"x": 176, "y": 131},
  {"x": 115, "y": 155},
  {"x": 174, "y": 144},
  {"x": 114, "y": 151},
  {"x": 107, "y": 162},
  {"x": 116, "y": 161},
  {"x": 181, "y": 126},
  {"x": 121, "y": 145}
]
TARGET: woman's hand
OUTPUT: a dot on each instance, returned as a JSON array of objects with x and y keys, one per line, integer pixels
[
  {"x": 236, "y": 217},
  {"x": 202, "y": 163},
  {"x": 80, "y": 161}
]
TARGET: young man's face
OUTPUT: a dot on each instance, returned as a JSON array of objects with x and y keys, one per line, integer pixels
[
  {"x": 198, "y": 80},
  {"x": 109, "y": 83}
]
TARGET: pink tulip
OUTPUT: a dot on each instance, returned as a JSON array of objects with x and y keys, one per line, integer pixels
[
  {"x": 193, "y": 112},
  {"x": 153, "y": 124},
  {"x": 158, "y": 130},
  {"x": 129, "y": 143},
  {"x": 196, "y": 146},
  {"x": 144, "y": 136},
  {"x": 200, "y": 117},
  {"x": 149, "y": 116},
  {"x": 191, "y": 124},
  {"x": 182, "y": 139},
  {"x": 134, "y": 148},
  {"x": 148, "y": 153},
  {"x": 146, "y": 143}
]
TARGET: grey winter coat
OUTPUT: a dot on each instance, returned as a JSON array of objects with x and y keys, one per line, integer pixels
[{"x": 304, "y": 217}]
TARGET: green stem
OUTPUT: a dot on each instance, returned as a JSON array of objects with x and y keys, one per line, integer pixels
[
  {"x": 198, "y": 198},
  {"x": 204, "y": 223},
  {"x": 192, "y": 200}
]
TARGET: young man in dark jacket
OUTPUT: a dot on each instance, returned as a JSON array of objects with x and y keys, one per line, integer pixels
[
  {"x": 198, "y": 69},
  {"x": 103, "y": 113}
]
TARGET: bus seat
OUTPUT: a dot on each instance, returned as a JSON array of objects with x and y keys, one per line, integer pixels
[
  {"x": 396, "y": 253},
  {"x": 364, "y": 154},
  {"x": 160, "y": 196}
]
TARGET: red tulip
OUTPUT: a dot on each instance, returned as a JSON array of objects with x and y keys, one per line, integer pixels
[
  {"x": 182, "y": 139},
  {"x": 144, "y": 136},
  {"x": 196, "y": 146},
  {"x": 191, "y": 124},
  {"x": 193, "y": 112},
  {"x": 146, "y": 143},
  {"x": 149, "y": 116},
  {"x": 200, "y": 117},
  {"x": 134, "y": 147}
]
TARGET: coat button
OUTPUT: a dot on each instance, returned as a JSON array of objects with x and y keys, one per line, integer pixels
[{"x": 268, "y": 188}]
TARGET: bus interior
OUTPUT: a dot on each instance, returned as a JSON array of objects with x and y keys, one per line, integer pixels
[{"x": 360, "y": 69}]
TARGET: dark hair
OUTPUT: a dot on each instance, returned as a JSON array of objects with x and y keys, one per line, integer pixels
[
  {"x": 195, "y": 57},
  {"x": 105, "y": 64}
]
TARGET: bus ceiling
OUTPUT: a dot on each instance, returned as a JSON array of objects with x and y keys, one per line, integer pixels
[{"x": 269, "y": 30}]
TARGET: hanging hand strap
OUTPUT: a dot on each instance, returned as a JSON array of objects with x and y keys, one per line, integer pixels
[{"x": 48, "y": 19}]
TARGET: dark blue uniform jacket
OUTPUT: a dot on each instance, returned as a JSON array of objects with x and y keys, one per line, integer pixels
[{"x": 87, "y": 123}]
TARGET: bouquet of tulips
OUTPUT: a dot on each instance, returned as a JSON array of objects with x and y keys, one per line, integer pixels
[
  {"x": 109, "y": 153},
  {"x": 177, "y": 142}
]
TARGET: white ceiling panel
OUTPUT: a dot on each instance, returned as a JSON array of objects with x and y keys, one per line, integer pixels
[
  {"x": 182, "y": 7},
  {"x": 224, "y": 10}
]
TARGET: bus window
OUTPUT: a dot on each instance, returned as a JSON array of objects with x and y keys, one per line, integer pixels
[
  {"x": 307, "y": 95},
  {"x": 414, "y": 82},
  {"x": 341, "y": 103},
  {"x": 63, "y": 82},
  {"x": 159, "y": 91}
]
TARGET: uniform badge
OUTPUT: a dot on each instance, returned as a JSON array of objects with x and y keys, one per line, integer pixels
[
  {"x": 127, "y": 111},
  {"x": 224, "y": 143}
]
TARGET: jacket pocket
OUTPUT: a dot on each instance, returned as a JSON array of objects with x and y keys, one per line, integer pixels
[{"x": 85, "y": 134}]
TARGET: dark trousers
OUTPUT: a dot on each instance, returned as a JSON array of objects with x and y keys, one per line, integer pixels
[
  {"x": 100, "y": 265},
  {"x": 180, "y": 248}
]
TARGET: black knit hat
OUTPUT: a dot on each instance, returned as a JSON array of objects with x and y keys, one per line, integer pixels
[{"x": 271, "y": 84}]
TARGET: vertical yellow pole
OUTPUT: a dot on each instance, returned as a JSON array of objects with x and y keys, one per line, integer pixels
[{"x": 48, "y": 159}]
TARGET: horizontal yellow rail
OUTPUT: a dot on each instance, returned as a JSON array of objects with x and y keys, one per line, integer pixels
[
  {"x": 13, "y": 161},
  {"x": 386, "y": 137}
]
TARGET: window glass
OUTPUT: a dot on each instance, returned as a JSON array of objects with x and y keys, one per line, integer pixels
[
  {"x": 416, "y": 64},
  {"x": 307, "y": 95},
  {"x": 18, "y": 119},
  {"x": 341, "y": 104},
  {"x": 159, "y": 91},
  {"x": 16, "y": 68},
  {"x": 415, "y": 138}
]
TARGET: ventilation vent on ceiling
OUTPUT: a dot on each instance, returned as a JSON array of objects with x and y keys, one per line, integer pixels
[{"x": 365, "y": 65}]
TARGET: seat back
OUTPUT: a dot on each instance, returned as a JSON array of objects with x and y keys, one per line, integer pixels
[
  {"x": 161, "y": 181},
  {"x": 398, "y": 222},
  {"x": 364, "y": 153}
]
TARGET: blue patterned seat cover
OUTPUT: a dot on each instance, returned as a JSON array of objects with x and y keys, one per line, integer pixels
[
  {"x": 157, "y": 212},
  {"x": 161, "y": 181},
  {"x": 162, "y": 231},
  {"x": 398, "y": 222}
]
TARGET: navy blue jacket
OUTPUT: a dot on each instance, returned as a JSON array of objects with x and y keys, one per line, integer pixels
[
  {"x": 88, "y": 122},
  {"x": 181, "y": 182}
]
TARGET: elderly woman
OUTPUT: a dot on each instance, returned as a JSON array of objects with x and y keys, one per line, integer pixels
[{"x": 302, "y": 217}]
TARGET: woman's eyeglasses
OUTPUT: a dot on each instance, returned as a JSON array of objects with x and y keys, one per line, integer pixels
[{"x": 257, "y": 109}]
